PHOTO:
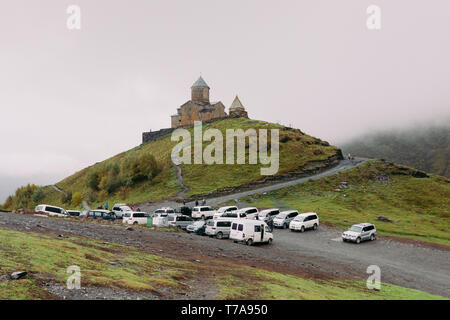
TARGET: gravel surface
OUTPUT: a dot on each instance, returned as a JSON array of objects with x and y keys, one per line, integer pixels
[{"x": 319, "y": 254}]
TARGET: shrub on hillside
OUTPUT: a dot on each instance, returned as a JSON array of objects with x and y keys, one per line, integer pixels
[
  {"x": 66, "y": 197},
  {"x": 38, "y": 196},
  {"x": 77, "y": 198}
]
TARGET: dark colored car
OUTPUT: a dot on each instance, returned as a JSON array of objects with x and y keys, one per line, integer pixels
[
  {"x": 187, "y": 211},
  {"x": 101, "y": 214}
]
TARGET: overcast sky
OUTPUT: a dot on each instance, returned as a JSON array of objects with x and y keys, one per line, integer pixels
[{"x": 71, "y": 98}]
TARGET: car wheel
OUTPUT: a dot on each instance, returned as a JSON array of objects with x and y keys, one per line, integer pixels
[
  {"x": 203, "y": 217},
  {"x": 219, "y": 235},
  {"x": 270, "y": 240},
  {"x": 372, "y": 237},
  {"x": 135, "y": 222},
  {"x": 285, "y": 226},
  {"x": 302, "y": 229},
  {"x": 358, "y": 240},
  {"x": 249, "y": 242},
  {"x": 315, "y": 226}
]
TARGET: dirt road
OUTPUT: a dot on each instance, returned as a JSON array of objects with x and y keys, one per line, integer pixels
[
  {"x": 313, "y": 253},
  {"x": 342, "y": 166}
]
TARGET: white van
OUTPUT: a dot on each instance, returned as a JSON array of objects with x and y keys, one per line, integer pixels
[
  {"x": 163, "y": 212},
  {"x": 250, "y": 231},
  {"x": 251, "y": 212},
  {"x": 303, "y": 221},
  {"x": 222, "y": 210},
  {"x": 52, "y": 211},
  {"x": 160, "y": 220},
  {"x": 135, "y": 217},
  {"x": 203, "y": 212},
  {"x": 265, "y": 214}
]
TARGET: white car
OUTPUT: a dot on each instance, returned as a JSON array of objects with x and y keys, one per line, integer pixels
[
  {"x": 304, "y": 221},
  {"x": 250, "y": 231},
  {"x": 164, "y": 212},
  {"x": 265, "y": 214},
  {"x": 222, "y": 210},
  {"x": 135, "y": 217},
  {"x": 250, "y": 212},
  {"x": 52, "y": 211},
  {"x": 203, "y": 212},
  {"x": 120, "y": 209},
  {"x": 284, "y": 218},
  {"x": 360, "y": 232}
]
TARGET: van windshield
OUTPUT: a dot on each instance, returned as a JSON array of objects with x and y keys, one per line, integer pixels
[
  {"x": 281, "y": 215},
  {"x": 299, "y": 218},
  {"x": 211, "y": 223},
  {"x": 171, "y": 218}
]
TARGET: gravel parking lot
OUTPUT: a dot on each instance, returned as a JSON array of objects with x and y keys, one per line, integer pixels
[{"x": 313, "y": 253}]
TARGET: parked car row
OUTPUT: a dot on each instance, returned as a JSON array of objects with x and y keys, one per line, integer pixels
[{"x": 246, "y": 225}]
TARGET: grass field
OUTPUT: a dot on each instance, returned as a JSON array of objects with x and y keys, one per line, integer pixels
[
  {"x": 46, "y": 259},
  {"x": 418, "y": 207}
]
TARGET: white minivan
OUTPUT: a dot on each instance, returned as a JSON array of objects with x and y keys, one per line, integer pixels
[
  {"x": 132, "y": 217},
  {"x": 223, "y": 210},
  {"x": 303, "y": 221},
  {"x": 203, "y": 212},
  {"x": 52, "y": 211},
  {"x": 250, "y": 231}
]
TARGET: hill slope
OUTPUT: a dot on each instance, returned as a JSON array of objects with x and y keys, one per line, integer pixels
[
  {"x": 416, "y": 204},
  {"x": 424, "y": 148},
  {"x": 146, "y": 173}
]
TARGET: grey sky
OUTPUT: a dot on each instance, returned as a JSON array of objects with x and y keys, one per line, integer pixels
[{"x": 71, "y": 98}]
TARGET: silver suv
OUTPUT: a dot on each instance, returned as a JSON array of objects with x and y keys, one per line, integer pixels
[
  {"x": 283, "y": 219},
  {"x": 218, "y": 228},
  {"x": 360, "y": 232},
  {"x": 179, "y": 221}
]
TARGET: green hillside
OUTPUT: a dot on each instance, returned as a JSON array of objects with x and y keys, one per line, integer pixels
[
  {"x": 146, "y": 173},
  {"x": 417, "y": 205},
  {"x": 425, "y": 147}
]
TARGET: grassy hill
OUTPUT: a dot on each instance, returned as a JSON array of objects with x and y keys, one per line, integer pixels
[
  {"x": 146, "y": 173},
  {"x": 425, "y": 147},
  {"x": 416, "y": 203}
]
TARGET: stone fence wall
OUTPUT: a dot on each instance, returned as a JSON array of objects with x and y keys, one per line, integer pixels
[{"x": 154, "y": 135}]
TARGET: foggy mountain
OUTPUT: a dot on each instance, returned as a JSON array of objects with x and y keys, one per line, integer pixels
[{"x": 424, "y": 147}]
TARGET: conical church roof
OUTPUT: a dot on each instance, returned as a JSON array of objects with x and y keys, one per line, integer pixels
[
  {"x": 200, "y": 83},
  {"x": 237, "y": 104}
]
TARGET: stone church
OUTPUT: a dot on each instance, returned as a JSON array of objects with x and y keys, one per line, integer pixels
[{"x": 199, "y": 108}]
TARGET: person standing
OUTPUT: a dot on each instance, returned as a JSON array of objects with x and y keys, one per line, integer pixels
[
  {"x": 270, "y": 223},
  {"x": 196, "y": 203},
  {"x": 106, "y": 207},
  {"x": 204, "y": 202}
]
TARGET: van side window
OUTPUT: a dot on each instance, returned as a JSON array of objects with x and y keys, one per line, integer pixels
[
  {"x": 234, "y": 226},
  {"x": 257, "y": 228},
  {"x": 240, "y": 227}
]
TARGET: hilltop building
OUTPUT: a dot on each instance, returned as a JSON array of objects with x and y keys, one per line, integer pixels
[{"x": 199, "y": 108}]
